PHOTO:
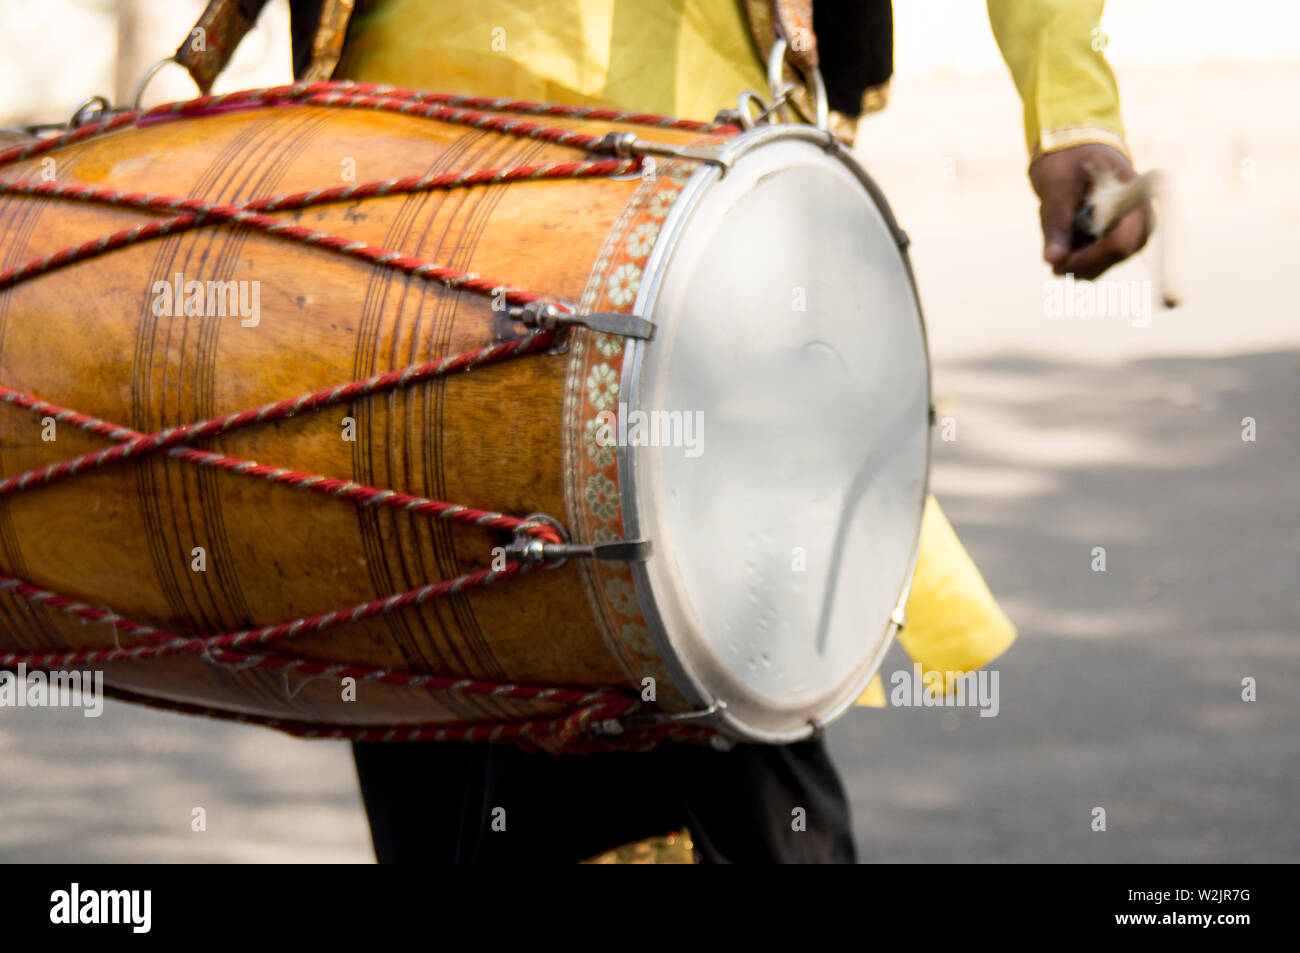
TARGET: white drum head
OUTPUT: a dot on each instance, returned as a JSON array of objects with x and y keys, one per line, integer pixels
[{"x": 784, "y": 539}]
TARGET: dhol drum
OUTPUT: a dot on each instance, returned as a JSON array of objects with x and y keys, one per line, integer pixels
[{"x": 384, "y": 414}]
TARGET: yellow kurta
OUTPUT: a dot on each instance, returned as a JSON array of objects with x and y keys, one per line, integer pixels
[
  {"x": 690, "y": 58},
  {"x": 686, "y": 58},
  {"x": 1055, "y": 50}
]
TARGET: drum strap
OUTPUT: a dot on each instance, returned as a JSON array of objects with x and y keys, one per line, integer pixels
[
  {"x": 216, "y": 34},
  {"x": 851, "y": 41},
  {"x": 318, "y": 29},
  {"x": 326, "y": 23}
]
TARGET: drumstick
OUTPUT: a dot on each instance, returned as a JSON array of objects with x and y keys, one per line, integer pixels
[{"x": 1109, "y": 201}]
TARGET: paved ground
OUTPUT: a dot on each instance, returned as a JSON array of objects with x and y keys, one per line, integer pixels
[{"x": 1123, "y": 690}]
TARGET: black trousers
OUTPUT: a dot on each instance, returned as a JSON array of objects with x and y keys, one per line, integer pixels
[{"x": 495, "y": 804}]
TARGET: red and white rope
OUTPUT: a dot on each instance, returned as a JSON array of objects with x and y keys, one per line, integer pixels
[
  {"x": 311, "y": 482},
  {"x": 568, "y": 732},
  {"x": 195, "y": 213},
  {"x": 172, "y": 437},
  {"x": 435, "y": 106}
]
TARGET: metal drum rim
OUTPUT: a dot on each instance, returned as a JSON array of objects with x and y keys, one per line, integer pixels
[{"x": 691, "y": 687}]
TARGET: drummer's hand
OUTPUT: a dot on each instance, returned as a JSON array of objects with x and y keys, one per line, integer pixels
[{"x": 1061, "y": 180}]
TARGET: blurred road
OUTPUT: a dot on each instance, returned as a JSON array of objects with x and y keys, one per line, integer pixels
[{"x": 1123, "y": 690}]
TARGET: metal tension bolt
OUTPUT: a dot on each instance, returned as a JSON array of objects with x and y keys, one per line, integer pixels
[
  {"x": 654, "y": 719},
  {"x": 627, "y": 146},
  {"x": 548, "y": 316},
  {"x": 534, "y": 551}
]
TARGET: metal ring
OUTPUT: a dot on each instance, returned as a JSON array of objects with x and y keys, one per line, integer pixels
[
  {"x": 545, "y": 518},
  {"x": 76, "y": 119},
  {"x": 743, "y": 111},
  {"x": 776, "y": 75}
]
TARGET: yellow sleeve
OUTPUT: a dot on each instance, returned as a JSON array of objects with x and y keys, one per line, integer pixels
[
  {"x": 1054, "y": 49},
  {"x": 953, "y": 622}
]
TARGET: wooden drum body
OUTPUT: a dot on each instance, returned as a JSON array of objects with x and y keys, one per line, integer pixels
[{"x": 196, "y": 551}]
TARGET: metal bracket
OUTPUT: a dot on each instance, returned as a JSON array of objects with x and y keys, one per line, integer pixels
[
  {"x": 628, "y": 145},
  {"x": 616, "y": 726},
  {"x": 548, "y": 317},
  {"x": 534, "y": 551}
]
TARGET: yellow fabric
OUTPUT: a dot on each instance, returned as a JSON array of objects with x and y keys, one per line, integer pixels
[
  {"x": 685, "y": 58},
  {"x": 689, "y": 58},
  {"x": 953, "y": 622},
  {"x": 1055, "y": 51}
]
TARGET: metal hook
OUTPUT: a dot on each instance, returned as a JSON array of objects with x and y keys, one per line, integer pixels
[
  {"x": 149, "y": 74},
  {"x": 815, "y": 84},
  {"x": 76, "y": 119}
]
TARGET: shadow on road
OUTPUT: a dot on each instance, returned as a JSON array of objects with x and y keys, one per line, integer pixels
[{"x": 1124, "y": 690}]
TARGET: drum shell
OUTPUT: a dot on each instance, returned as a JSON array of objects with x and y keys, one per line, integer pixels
[{"x": 87, "y": 337}]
